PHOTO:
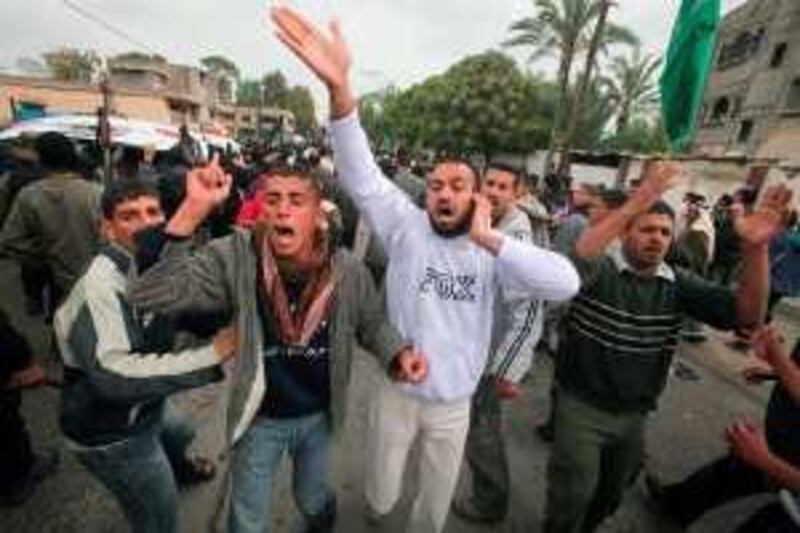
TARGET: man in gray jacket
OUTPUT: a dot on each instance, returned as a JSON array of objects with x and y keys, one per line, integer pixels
[
  {"x": 298, "y": 306},
  {"x": 516, "y": 328}
]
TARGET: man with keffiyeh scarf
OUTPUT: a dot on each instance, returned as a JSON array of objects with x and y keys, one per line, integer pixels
[{"x": 298, "y": 305}]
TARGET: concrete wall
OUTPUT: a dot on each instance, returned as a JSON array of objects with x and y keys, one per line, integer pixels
[{"x": 75, "y": 99}]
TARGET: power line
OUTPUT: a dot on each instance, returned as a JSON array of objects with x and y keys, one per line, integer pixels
[{"x": 108, "y": 26}]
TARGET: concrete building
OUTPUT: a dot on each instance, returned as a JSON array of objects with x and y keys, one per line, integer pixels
[
  {"x": 149, "y": 89},
  {"x": 752, "y": 101}
]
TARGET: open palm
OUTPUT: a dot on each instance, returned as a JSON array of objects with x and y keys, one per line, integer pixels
[
  {"x": 327, "y": 57},
  {"x": 761, "y": 226}
]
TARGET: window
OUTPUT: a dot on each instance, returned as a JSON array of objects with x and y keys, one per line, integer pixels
[
  {"x": 745, "y": 130},
  {"x": 737, "y": 107},
  {"x": 778, "y": 55},
  {"x": 721, "y": 108},
  {"x": 793, "y": 98}
]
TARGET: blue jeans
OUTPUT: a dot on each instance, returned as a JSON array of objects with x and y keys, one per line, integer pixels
[
  {"x": 254, "y": 468},
  {"x": 138, "y": 473}
]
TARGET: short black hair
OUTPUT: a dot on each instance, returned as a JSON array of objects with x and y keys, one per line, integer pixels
[
  {"x": 661, "y": 208},
  {"x": 123, "y": 190},
  {"x": 504, "y": 167},
  {"x": 613, "y": 198},
  {"x": 299, "y": 171},
  {"x": 457, "y": 160},
  {"x": 56, "y": 152}
]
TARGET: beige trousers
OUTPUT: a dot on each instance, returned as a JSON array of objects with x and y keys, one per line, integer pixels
[{"x": 395, "y": 420}]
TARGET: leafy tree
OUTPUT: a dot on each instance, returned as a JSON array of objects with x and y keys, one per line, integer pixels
[
  {"x": 248, "y": 92},
  {"x": 563, "y": 28},
  {"x": 631, "y": 85},
  {"x": 217, "y": 63},
  {"x": 140, "y": 56},
  {"x": 275, "y": 89},
  {"x": 72, "y": 64},
  {"x": 299, "y": 101},
  {"x": 640, "y": 137},
  {"x": 483, "y": 104}
]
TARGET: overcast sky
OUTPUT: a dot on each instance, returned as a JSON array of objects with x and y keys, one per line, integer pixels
[{"x": 393, "y": 41}]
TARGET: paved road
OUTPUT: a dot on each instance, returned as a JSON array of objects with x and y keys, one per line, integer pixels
[{"x": 685, "y": 432}]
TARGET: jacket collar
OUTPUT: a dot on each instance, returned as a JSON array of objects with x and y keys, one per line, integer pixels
[
  {"x": 664, "y": 271},
  {"x": 118, "y": 255}
]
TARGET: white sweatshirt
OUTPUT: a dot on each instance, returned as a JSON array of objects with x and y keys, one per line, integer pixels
[{"x": 440, "y": 291}]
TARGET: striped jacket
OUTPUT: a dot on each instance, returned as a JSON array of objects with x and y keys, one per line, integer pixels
[
  {"x": 119, "y": 362},
  {"x": 622, "y": 330},
  {"x": 518, "y": 324}
]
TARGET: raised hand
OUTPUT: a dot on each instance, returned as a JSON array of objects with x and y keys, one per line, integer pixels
[
  {"x": 480, "y": 230},
  {"x": 410, "y": 366},
  {"x": 761, "y": 226},
  {"x": 659, "y": 177},
  {"x": 328, "y": 56},
  {"x": 206, "y": 188}
]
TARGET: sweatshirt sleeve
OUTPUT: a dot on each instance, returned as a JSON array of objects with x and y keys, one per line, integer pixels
[
  {"x": 186, "y": 280},
  {"x": 375, "y": 332},
  {"x": 386, "y": 207},
  {"x": 525, "y": 271},
  {"x": 106, "y": 341}
]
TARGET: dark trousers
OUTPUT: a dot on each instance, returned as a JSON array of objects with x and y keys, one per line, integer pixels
[
  {"x": 16, "y": 455},
  {"x": 717, "y": 483},
  {"x": 485, "y": 452}
]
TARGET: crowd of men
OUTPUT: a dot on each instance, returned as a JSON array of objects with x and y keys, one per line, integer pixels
[{"x": 271, "y": 267}]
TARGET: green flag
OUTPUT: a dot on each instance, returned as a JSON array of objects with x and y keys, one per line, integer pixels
[{"x": 689, "y": 56}]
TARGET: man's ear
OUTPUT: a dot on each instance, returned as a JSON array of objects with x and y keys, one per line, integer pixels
[{"x": 106, "y": 229}]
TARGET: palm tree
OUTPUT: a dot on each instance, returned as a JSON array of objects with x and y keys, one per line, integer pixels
[
  {"x": 563, "y": 28},
  {"x": 632, "y": 87}
]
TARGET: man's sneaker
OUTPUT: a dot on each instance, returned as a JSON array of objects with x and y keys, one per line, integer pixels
[
  {"x": 374, "y": 519},
  {"x": 44, "y": 465},
  {"x": 466, "y": 510},
  {"x": 547, "y": 430},
  {"x": 659, "y": 498}
]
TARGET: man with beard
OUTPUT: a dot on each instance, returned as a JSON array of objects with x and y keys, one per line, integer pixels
[
  {"x": 446, "y": 267},
  {"x": 622, "y": 330},
  {"x": 515, "y": 332},
  {"x": 299, "y": 305}
]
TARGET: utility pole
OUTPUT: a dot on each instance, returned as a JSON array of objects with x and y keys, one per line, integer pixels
[{"x": 104, "y": 128}]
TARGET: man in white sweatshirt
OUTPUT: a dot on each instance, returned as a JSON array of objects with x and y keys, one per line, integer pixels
[{"x": 446, "y": 264}]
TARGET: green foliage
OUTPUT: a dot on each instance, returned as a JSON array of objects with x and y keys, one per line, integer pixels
[
  {"x": 483, "y": 104},
  {"x": 217, "y": 63},
  {"x": 139, "y": 56},
  {"x": 272, "y": 90},
  {"x": 275, "y": 89},
  {"x": 639, "y": 137},
  {"x": 632, "y": 86},
  {"x": 72, "y": 64},
  {"x": 247, "y": 94},
  {"x": 300, "y": 102}
]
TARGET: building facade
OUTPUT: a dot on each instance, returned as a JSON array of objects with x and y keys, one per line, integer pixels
[
  {"x": 752, "y": 101},
  {"x": 148, "y": 89}
]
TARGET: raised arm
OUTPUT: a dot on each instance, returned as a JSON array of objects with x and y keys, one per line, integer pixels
[
  {"x": 386, "y": 207},
  {"x": 660, "y": 177},
  {"x": 183, "y": 279},
  {"x": 99, "y": 336},
  {"x": 755, "y": 231}
]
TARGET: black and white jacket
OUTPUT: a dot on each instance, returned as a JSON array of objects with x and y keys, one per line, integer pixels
[{"x": 120, "y": 363}]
